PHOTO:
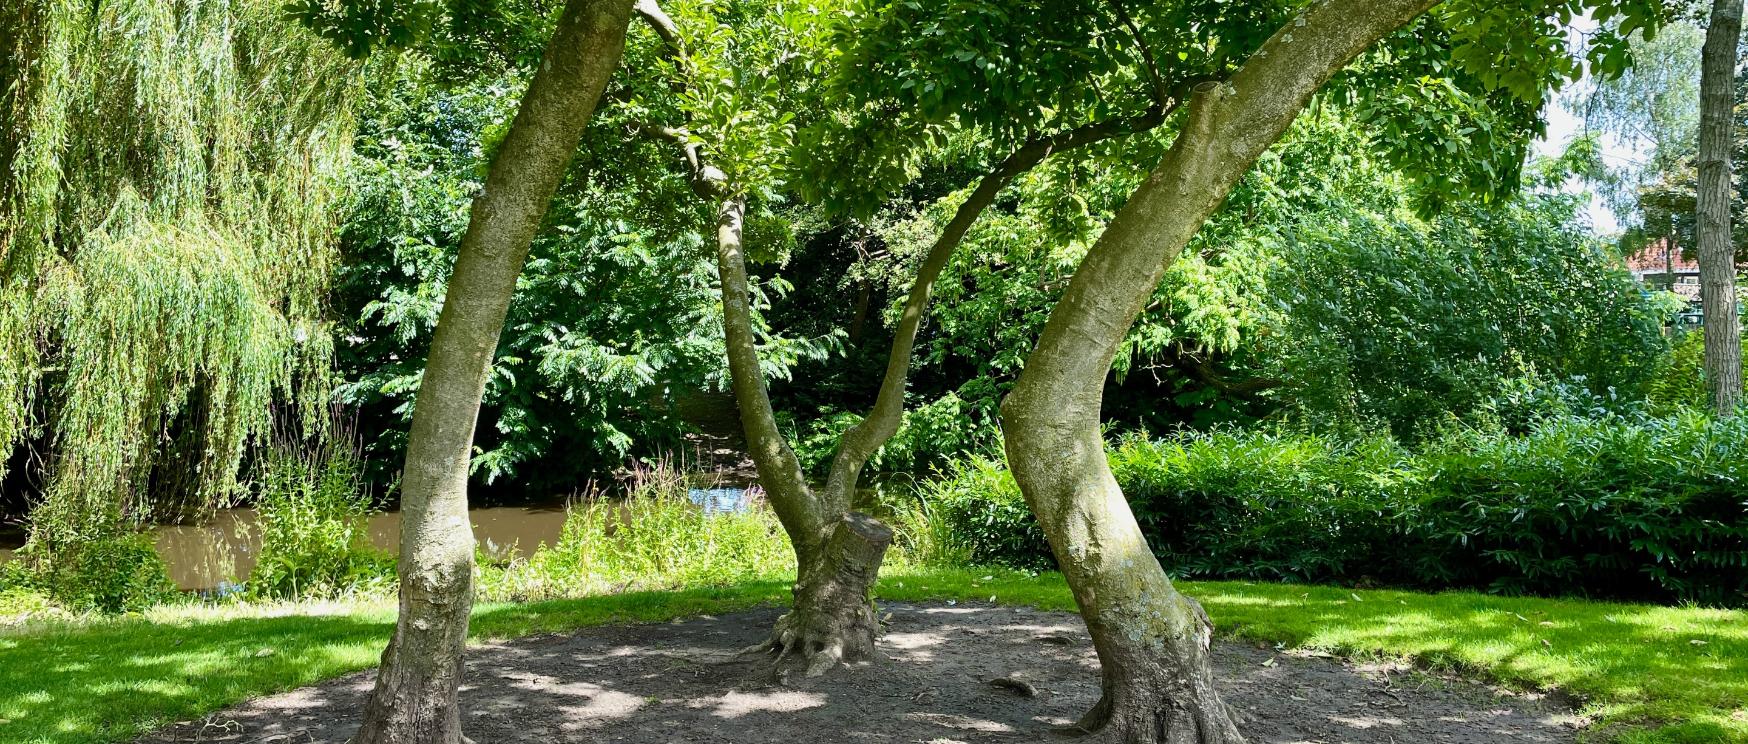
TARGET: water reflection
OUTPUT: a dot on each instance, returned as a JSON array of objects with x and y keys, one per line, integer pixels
[{"x": 722, "y": 500}]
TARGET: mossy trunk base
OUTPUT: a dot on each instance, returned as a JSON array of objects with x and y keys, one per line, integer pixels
[{"x": 833, "y": 620}]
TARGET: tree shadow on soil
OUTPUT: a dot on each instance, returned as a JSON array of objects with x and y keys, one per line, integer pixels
[{"x": 681, "y": 682}]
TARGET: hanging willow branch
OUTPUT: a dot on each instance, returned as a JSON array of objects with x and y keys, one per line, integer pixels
[{"x": 170, "y": 172}]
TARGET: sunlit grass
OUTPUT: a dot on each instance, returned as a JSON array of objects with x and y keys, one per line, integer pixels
[
  {"x": 1636, "y": 668},
  {"x": 1643, "y": 673}
]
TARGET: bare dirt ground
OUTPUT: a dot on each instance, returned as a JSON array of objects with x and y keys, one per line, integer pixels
[{"x": 679, "y": 682}]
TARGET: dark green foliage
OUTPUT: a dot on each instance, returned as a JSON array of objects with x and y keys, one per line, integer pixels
[
  {"x": 1639, "y": 510},
  {"x": 606, "y": 319},
  {"x": 360, "y": 26},
  {"x": 931, "y": 436},
  {"x": 1646, "y": 509},
  {"x": 983, "y": 519},
  {"x": 1258, "y": 504},
  {"x": 1680, "y": 383},
  {"x": 1402, "y": 322}
]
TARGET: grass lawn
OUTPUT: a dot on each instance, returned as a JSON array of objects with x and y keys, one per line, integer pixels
[{"x": 1647, "y": 674}]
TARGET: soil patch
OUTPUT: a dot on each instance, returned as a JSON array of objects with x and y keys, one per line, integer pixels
[{"x": 680, "y": 682}]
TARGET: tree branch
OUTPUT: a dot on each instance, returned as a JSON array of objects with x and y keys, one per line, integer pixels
[
  {"x": 651, "y": 12},
  {"x": 779, "y": 471},
  {"x": 796, "y": 505},
  {"x": 859, "y": 442},
  {"x": 1201, "y": 370},
  {"x": 1161, "y": 93},
  {"x": 707, "y": 180}
]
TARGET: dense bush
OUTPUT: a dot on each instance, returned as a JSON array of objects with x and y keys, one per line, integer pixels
[
  {"x": 113, "y": 569},
  {"x": 1680, "y": 382},
  {"x": 1367, "y": 336},
  {"x": 930, "y": 436},
  {"x": 1645, "y": 509},
  {"x": 311, "y": 509},
  {"x": 974, "y": 516}
]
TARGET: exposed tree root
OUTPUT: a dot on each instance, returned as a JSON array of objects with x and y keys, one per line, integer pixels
[
  {"x": 833, "y": 620},
  {"x": 1159, "y": 721}
]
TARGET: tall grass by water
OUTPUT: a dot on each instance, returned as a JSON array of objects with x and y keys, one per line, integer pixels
[{"x": 657, "y": 537}]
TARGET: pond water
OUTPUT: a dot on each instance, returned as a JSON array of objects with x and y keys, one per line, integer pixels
[{"x": 224, "y": 549}]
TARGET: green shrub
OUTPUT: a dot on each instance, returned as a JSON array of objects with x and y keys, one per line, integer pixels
[
  {"x": 977, "y": 516},
  {"x": 931, "y": 436},
  {"x": 1652, "y": 509},
  {"x": 19, "y": 603},
  {"x": 311, "y": 509},
  {"x": 1637, "y": 509},
  {"x": 1267, "y": 505},
  {"x": 112, "y": 569},
  {"x": 655, "y": 538},
  {"x": 1680, "y": 382}
]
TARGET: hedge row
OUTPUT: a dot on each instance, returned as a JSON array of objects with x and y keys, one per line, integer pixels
[{"x": 1654, "y": 509}]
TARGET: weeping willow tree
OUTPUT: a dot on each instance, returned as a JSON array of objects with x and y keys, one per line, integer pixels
[{"x": 167, "y": 172}]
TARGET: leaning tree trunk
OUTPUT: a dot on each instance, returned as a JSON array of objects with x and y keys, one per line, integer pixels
[
  {"x": 837, "y": 551},
  {"x": 1152, "y": 641},
  {"x": 1717, "y": 254},
  {"x": 415, "y": 696}
]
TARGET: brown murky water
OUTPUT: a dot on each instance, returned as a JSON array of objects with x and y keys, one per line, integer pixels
[{"x": 224, "y": 549}]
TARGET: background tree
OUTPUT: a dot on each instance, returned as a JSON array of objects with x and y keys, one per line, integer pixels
[
  {"x": 167, "y": 176},
  {"x": 1053, "y": 413},
  {"x": 1717, "y": 254}
]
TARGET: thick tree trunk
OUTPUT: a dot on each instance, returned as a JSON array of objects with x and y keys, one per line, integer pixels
[
  {"x": 1153, "y": 642},
  {"x": 415, "y": 696},
  {"x": 832, "y": 619},
  {"x": 1717, "y": 253}
]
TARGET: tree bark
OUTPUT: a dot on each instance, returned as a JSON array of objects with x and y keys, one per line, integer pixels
[
  {"x": 415, "y": 696},
  {"x": 837, "y": 552},
  {"x": 1152, "y": 641},
  {"x": 1717, "y": 254}
]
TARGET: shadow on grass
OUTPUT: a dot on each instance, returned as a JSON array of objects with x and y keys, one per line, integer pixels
[
  {"x": 1684, "y": 667},
  {"x": 113, "y": 680},
  {"x": 1630, "y": 664}
]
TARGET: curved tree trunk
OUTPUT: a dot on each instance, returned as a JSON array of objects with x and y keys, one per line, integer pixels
[
  {"x": 1152, "y": 641},
  {"x": 838, "y": 552},
  {"x": 1717, "y": 252},
  {"x": 415, "y": 696}
]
